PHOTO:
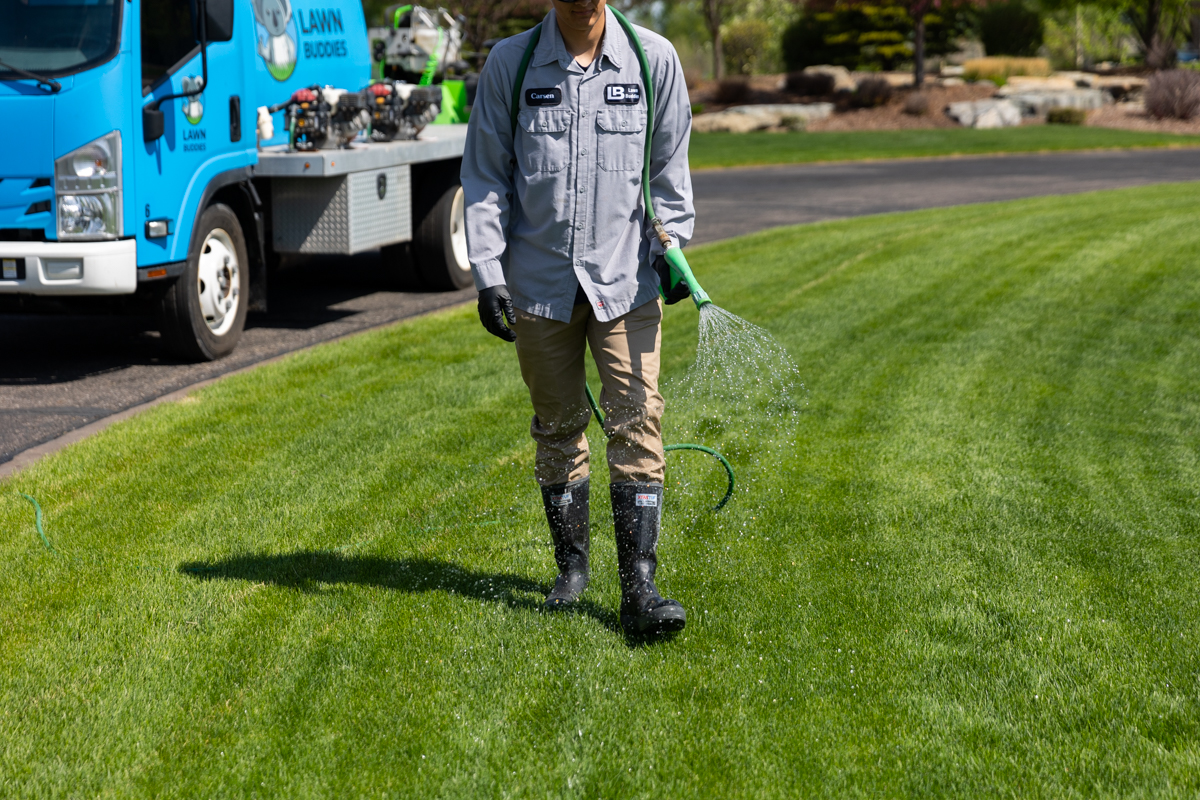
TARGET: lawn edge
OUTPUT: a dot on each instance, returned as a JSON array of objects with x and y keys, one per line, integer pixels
[
  {"x": 31, "y": 455},
  {"x": 948, "y": 156}
]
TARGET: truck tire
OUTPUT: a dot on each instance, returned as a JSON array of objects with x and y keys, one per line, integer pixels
[
  {"x": 440, "y": 243},
  {"x": 202, "y": 314}
]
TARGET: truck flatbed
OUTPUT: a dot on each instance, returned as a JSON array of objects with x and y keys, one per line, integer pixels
[{"x": 435, "y": 143}]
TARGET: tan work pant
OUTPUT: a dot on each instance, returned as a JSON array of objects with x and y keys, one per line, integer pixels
[{"x": 626, "y": 354}]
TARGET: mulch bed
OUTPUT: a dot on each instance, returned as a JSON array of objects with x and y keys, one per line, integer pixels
[{"x": 766, "y": 89}]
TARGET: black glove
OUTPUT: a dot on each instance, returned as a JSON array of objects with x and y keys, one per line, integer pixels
[
  {"x": 670, "y": 296},
  {"x": 495, "y": 308}
]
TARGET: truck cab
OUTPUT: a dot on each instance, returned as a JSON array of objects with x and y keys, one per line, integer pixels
[{"x": 131, "y": 162}]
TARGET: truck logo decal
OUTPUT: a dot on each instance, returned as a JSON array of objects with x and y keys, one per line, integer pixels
[
  {"x": 328, "y": 20},
  {"x": 193, "y": 106},
  {"x": 322, "y": 21},
  {"x": 275, "y": 36}
]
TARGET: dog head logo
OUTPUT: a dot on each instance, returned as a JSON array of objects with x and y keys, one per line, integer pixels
[
  {"x": 193, "y": 106},
  {"x": 276, "y": 36}
]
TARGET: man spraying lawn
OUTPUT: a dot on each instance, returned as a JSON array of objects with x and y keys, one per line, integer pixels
[{"x": 564, "y": 256}]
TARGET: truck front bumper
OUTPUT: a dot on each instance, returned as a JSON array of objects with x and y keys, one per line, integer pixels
[{"x": 68, "y": 268}]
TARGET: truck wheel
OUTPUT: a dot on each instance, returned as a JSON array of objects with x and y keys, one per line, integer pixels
[
  {"x": 440, "y": 243},
  {"x": 202, "y": 314}
]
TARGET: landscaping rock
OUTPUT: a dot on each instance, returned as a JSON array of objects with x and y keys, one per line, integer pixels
[
  {"x": 1025, "y": 83},
  {"x": 841, "y": 76},
  {"x": 1036, "y": 104},
  {"x": 985, "y": 113},
  {"x": 743, "y": 119}
]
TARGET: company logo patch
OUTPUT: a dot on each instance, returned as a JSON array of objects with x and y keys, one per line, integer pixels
[
  {"x": 650, "y": 500},
  {"x": 543, "y": 97},
  {"x": 563, "y": 499},
  {"x": 622, "y": 94}
]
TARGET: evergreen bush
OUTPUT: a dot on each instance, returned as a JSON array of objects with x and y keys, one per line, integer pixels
[
  {"x": 1066, "y": 116},
  {"x": 866, "y": 35},
  {"x": 810, "y": 84},
  {"x": 1010, "y": 29}
]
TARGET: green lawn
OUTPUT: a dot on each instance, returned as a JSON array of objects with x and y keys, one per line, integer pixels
[
  {"x": 748, "y": 149},
  {"x": 976, "y": 572}
]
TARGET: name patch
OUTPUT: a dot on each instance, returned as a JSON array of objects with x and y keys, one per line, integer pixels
[
  {"x": 563, "y": 499},
  {"x": 622, "y": 94},
  {"x": 650, "y": 500},
  {"x": 543, "y": 97}
]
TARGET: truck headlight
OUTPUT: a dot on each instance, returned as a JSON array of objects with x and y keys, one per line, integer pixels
[{"x": 87, "y": 189}]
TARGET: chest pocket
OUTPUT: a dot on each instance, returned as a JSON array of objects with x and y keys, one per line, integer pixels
[
  {"x": 621, "y": 138},
  {"x": 545, "y": 139}
]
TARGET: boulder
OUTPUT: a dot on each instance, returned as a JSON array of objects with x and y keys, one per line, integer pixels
[
  {"x": 1036, "y": 104},
  {"x": 841, "y": 76},
  {"x": 743, "y": 119},
  {"x": 1026, "y": 83},
  {"x": 999, "y": 113}
]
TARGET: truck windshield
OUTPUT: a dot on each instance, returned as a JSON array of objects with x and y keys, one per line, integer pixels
[{"x": 58, "y": 37}]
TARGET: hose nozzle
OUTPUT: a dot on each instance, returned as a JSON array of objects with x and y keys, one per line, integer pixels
[{"x": 680, "y": 271}]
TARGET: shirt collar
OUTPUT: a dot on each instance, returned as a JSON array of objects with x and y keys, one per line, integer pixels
[{"x": 550, "y": 47}]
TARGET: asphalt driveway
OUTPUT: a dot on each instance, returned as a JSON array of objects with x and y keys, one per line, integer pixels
[{"x": 60, "y": 373}]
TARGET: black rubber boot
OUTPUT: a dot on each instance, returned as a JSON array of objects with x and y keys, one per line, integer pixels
[
  {"x": 567, "y": 512},
  {"x": 637, "y": 509}
]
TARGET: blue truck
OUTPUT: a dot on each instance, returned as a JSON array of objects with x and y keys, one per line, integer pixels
[{"x": 146, "y": 157}]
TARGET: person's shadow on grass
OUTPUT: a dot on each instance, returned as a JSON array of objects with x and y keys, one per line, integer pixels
[{"x": 307, "y": 570}]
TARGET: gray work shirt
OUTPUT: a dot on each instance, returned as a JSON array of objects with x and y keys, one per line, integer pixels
[{"x": 562, "y": 206}]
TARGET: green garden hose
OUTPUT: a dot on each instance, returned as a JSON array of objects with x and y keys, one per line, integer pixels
[
  {"x": 701, "y": 448},
  {"x": 37, "y": 523},
  {"x": 680, "y": 270}
]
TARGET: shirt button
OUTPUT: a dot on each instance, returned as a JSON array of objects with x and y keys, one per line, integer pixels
[
  {"x": 583, "y": 151},
  {"x": 581, "y": 190},
  {"x": 579, "y": 227}
]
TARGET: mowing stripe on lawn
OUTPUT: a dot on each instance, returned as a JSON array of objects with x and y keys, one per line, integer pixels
[{"x": 975, "y": 573}]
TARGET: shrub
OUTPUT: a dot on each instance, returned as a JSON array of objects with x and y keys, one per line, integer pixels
[
  {"x": 1010, "y": 29},
  {"x": 731, "y": 91},
  {"x": 999, "y": 70},
  {"x": 1066, "y": 116},
  {"x": 872, "y": 92},
  {"x": 749, "y": 47},
  {"x": 697, "y": 108},
  {"x": 810, "y": 84},
  {"x": 1173, "y": 93},
  {"x": 794, "y": 122},
  {"x": 869, "y": 35},
  {"x": 916, "y": 104}
]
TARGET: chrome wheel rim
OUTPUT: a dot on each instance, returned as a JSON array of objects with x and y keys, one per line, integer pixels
[
  {"x": 217, "y": 280},
  {"x": 458, "y": 232}
]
